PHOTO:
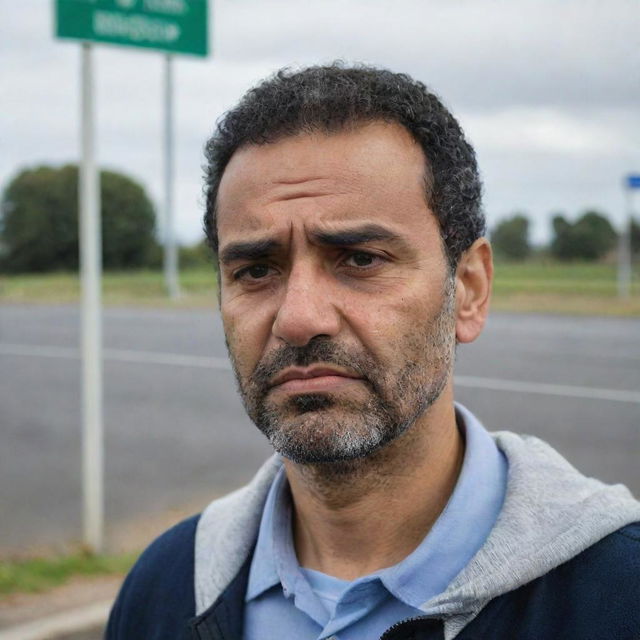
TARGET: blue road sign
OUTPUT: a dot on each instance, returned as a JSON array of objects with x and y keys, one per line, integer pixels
[{"x": 633, "y": 181}]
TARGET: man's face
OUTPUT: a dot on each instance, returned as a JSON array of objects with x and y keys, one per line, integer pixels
[{"x": 336, "y": 297}]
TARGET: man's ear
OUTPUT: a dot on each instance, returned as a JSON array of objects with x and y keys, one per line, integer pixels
[{"x": 474, "y": 276}]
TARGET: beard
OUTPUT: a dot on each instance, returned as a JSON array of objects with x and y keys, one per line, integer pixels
[{"x": 312, "y": 428}]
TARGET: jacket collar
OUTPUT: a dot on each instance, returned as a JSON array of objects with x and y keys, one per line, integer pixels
[{"x": 223, "y": 619}]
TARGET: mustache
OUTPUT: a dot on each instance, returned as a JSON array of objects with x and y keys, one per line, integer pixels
[{"x": 318, "y": 350}]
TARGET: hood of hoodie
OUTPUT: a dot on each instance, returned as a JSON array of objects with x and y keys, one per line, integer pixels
[{"x": 551, "y": 513}]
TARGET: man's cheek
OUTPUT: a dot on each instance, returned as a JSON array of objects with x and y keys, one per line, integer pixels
[{"x": 245, "y": 349}]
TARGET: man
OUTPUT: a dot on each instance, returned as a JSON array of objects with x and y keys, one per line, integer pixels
[{"x": 343, "y": 205}]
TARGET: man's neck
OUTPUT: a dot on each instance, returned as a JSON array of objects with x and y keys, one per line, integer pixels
[{"x": 351, "y": 519}]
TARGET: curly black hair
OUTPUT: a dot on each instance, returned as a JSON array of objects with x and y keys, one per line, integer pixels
[{"x": 333, "y": 97}]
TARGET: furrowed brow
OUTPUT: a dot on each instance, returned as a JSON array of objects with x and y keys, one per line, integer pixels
[
  {"x": 248, "y": 250},
  {"x": 358, "y": 235}
]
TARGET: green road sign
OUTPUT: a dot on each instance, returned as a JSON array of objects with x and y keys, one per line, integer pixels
[{"x": 178, "y": 26}]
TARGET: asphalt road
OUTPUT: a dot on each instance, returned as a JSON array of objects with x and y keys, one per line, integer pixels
[{"x": 176, "y": 433}]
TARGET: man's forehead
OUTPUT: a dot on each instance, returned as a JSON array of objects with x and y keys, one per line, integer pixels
[{"x": 320, "y": 160}]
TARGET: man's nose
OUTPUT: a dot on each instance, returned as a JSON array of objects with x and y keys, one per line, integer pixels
[{"x": 308, "y": 308}]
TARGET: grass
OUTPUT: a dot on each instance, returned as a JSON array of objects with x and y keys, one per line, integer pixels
[
  {"x": 551, "y": 287},
  {"x": 41, "y": 574},
  {"x": 198, "y": 286}
]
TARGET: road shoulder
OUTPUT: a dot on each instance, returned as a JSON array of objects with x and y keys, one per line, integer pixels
[{"x": 78, "y": 604}]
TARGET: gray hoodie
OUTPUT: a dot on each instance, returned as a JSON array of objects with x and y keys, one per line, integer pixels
[{"x": 551, "y": 513}]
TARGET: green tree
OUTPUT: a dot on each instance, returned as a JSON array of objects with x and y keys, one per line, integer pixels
[
  {"x": 588, "y": 238},
  {"x": 561, "y": 243},
  {"x": 39, "y": 221},
  {"x": 510, "y": 238}
]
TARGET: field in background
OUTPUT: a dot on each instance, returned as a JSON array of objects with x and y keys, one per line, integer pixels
[
  {"x": 199, "y": 288},
  {"x": 583, "y": 289},
  {"x": 575, "y": 288}
]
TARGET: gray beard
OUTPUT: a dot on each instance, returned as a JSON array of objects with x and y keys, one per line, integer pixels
[{"x": 323, "y": 428}]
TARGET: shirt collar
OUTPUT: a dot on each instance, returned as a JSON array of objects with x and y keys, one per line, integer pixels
[
  {"x": 275, "y": 526},
  {"x": 456, "y": 536}
]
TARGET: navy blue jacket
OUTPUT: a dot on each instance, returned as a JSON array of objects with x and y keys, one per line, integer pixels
[{"x": 593, "y": 596}]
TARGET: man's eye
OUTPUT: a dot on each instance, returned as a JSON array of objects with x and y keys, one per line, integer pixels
[
  {"x": 254, "y": 272},
  {"x": 361, "y": 259}
]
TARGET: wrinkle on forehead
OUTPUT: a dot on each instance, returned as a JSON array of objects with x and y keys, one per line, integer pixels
[
  {"x": 307, "y": 187},
  {"x": 304, "y": 179},
  {"x": 271, "y": 210}
]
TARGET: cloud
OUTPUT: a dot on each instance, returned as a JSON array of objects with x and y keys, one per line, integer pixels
[{"x": 530, "y": 129}]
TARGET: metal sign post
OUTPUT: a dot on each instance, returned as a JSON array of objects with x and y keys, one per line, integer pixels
[
  {"x": 170, "y": 250},
  {"x": 632, "y": 184},
  {"x": 90, "y": 268},
  {"x": 173, "y": 26}
]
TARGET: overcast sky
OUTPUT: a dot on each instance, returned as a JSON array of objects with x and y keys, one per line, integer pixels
[{"x": 547, "y": 91}]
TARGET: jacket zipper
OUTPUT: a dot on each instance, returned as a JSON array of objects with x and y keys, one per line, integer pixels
[{"x": 397, "y": 625}]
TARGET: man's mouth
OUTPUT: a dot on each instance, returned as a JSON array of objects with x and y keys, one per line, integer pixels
[{"x": 313, "y": 379}]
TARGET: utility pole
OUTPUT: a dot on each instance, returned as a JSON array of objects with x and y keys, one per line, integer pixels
[{"x": 172, "y": 283}]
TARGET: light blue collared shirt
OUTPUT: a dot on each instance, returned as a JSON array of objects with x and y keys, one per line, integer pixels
[{"x": 285, "y": 601}]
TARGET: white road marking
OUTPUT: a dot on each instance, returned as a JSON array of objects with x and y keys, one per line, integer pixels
[
  {"x": 119, "y": 355},
  {"x": 564, "y": 390},
  {"x": 212, "y": 362}
]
